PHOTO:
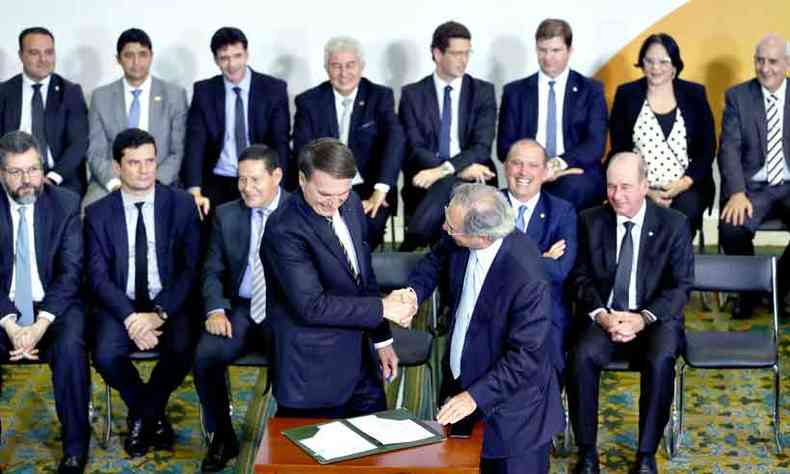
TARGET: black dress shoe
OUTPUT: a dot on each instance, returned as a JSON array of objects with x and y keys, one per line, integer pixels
[
  {"x": 743, "y": 307},
  {"x": 72, "y": 465},
  {"x": 221, "y": 450},
  {"x": 587, "y": 463},
  {"x": 162, "y": 436},
  {"x": 136, "y": 443},
  {"x": 645, "y": 464}
]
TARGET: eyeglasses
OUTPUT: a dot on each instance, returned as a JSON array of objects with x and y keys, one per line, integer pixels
[
  {"x": 16, "y": 173},
  {"x": 662, "y": 62}
]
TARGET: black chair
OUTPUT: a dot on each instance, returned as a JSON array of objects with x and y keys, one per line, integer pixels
[
  {"x": 743, "y": 350},
  {"x": 412, "y": 346},
  {"x": 138, "y": 356}
]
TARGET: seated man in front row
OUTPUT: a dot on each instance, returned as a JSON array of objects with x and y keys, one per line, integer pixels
[
  {"x": 234, "y": 294},
  {"x": 498, "y": 367},
  {"x": 143, "y": 247},
  {"x": 322, "y": 298},
  {"x": 632, "y": 279}
]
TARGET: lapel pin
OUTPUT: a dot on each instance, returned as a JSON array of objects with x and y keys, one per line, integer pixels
[
  {"x": 157, "y": 98},
  {"x": 650, "y": 233},
  {"x": 361, "y": 103},
  {"x": 542, "y": 215},
  {"x": 57, "y": 88}
]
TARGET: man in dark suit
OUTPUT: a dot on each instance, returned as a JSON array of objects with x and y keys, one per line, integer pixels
[
  {"x": 48, "y": 107},
  {"x": 322, "y": 299},
  {"x": 142, "y": 245},
  {"x": 234, "y": 294},
  {"x": 632, "y": 278},
  {"x": 40, "y": 275},
  {"x": 137, "y": 100},
  {"x": 754, "y": 153},
  {"x": 497, "y": 367},
  {"x": 563, "y": 111},
  {"x": 229, "y": 112},
  {"x": 548, "y": 221},
  {"x": 449, "y": 119},
  {"x": 360, "y": 114}
]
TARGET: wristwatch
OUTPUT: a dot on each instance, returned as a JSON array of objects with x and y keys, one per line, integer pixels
[{"x": 160, "y": 312}]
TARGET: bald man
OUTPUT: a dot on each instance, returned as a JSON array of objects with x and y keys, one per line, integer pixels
[{"x": 753, "y": 158}]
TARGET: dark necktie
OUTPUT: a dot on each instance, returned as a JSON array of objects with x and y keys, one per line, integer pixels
[
  {"x": 444, "y": 128},
  {"x": 240, "y": 132},
  {"x": 345, "y": 251},
  {"x": 551, "y": 123},
  {"x": 37, "y": 123},
  {"x": 142, "y": 299},
  {"x": 622, "y": 278}
]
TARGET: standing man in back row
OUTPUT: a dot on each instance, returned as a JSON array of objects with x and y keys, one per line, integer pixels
[
  {"x": 137, "y": 100},
  {"x": 449, "y": 118},
  {"x": 228, "y": 113},
  {"x": 563, "y": 111}
]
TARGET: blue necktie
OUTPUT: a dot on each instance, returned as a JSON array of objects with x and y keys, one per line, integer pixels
[
  {"x": 551, "y": 123},
  {"x": 444, "y": 128},
  {"x": 521, "y": 223},
  {"x": 134, "y": 110},
  {"x": 23, "y": 295}
]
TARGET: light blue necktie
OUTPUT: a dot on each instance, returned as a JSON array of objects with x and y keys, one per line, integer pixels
[
  {"x": 464, "y": 314},
  {"x": 134, "y": 110},
  {"x": 23, "y": 295},
  {"x": 551, "y": 123},
  {"x": 521, "y": 223}
]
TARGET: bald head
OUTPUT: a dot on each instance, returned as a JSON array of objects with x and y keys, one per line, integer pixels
[
  {"x": 525, "y": 169},
  {"x": 772, "y": 61}
]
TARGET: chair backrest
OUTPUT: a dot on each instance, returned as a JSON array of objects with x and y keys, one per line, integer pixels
[{"x": 392, "y": 269}]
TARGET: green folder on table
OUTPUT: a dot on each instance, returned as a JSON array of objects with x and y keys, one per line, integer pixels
[{"x": 340, "y": 440}]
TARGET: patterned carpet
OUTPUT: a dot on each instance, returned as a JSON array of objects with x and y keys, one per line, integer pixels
[{"x": 728, "y": 418}]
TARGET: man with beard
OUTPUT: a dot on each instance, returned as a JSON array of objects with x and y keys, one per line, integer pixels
[{"x": 40, "y": 272}]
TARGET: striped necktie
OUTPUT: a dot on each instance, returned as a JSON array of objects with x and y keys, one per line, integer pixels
[
  {"x": 774, "y": 158},
  {"x": 258, "y": 303},
  {"x": 346, "y": 253}
]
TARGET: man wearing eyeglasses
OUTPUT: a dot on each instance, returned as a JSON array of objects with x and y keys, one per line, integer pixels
[
  {"x": 40, "y": 275},
  {"x": 449, "y": 118}
]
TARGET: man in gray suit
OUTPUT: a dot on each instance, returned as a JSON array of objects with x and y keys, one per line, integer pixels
[
  {"x": 753, "y": 158},
  {"x": 137, "y": 100}
]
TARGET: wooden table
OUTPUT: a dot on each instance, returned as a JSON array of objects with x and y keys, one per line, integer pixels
[{"x": 278, "y": 455}]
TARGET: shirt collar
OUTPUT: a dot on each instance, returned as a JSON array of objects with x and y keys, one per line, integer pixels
[
  {"x": 531, "y": 203},
  {"x": 129, "y": 201},
  {"x": 780, "y": 93},
  {"x": 559, "y": 81},
  {"x": 441, "y": 84},
  {"x": 28, "y": 82},
  {"x": 340, "y": 98},
  {"x": 244, "y": 84},
  {"x": 487, "y": 255},
  {"x": 144, "y": 87},
  {"x": 638, "y": 219},
  {"x": 274, "y": 204}
]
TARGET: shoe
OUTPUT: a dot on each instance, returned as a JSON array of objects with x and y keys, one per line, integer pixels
[
  {"x": 162, "y": 436},
  {"x": 221, "y": 450},
  {"x": 587, "y": 463},
  {"x": 743, "y": 307},
  {"x": 72, "y": 465},
  {"x": 645, "y": 464},
  {"x": 136, "y": 443}
]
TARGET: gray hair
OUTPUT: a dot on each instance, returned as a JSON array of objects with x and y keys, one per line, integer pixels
[
  {"x": 625, "y": 155},
  {"x": 343, "y": 43},
  {"x": 773, "y": 38},
  {"x": 16, "y": 143},
  {"x": 488, "y": 214}
]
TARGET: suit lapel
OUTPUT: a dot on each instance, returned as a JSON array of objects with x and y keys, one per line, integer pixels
[
  {"x": 241, "y": 233},
  {"x": 609, "y": 232},
  {"x": 328, "y": 108},
  {"x": 356, "y": 237},
  {"x": 42, "y": 229},
  {"x": 532, "y": 112},
  {"x": 254, "y": 114},
  {"x": 537, "y": 222},
  {"x": 357, "y": 111},
  {"x": 457, "y": 275},
  {"x": 219, "y": 104},
  {"x": 163, "y": 210},
  {"x": 13, "y": 112},
  {"x": 155, "y": 109},
  {"x": 119, "y": 237},
  {"x": 760, "y": 121},
  {"x": 54, "y": 99},
  {"x": 646, "y": 239},
  {"x": 119, "y": 106},
  {"x": 431, "y": 104},
  {"x": 569, "y": 102},
  {"x": 326, "y": 235},
  {"x": 464, "y": 105}
]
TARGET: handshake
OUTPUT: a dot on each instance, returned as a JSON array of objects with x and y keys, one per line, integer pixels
[{"x": 400, "y": 306}]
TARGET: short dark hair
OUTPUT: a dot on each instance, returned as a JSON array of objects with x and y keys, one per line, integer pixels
[
  {"x": 669, "y": 43},
  {"x": 260, "y": 152},
  {"x": 553, "y": 27},
  {"x": 133, "y": 35},
  {"x": 226, "y": 36},
  {"x": 329, "y": 155},
  {"x": 447, "y": 31},
  {"x": 130, "y": 138},
  {"x": 16, "y": 143},
  {"x": 34, "y": 30}
]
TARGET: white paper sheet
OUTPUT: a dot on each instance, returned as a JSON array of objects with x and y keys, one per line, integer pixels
[
  {"x": 335, "y": 440},
  {"x": 388, "y": 431}
]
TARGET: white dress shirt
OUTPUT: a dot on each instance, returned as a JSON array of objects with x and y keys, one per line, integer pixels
[
  {"x": 36, "y": 286},
  {"x": 130, "y": 214},
  {"x": 780, "y": 94},
  {"x": 228, "y": 162},
  {"x": 543, "y": 106},
  {"x": 26, "y": 117},
  {"x": 531, "y": 204},
  {"x": 455, "y": 98}
]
